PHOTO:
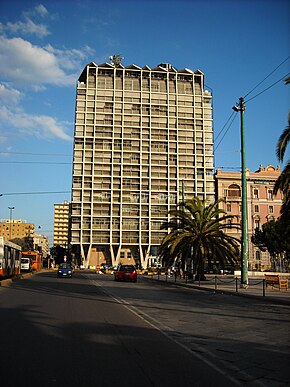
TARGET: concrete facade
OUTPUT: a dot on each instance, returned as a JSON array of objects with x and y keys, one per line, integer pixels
[
  {"x": 143, "y": 138},
  {"x": 61, "y": 224}
]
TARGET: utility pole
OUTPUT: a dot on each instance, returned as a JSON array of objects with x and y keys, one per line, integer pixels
[
  {"x": 10, "y": 225},
  {"x": 244, "y": 248}
]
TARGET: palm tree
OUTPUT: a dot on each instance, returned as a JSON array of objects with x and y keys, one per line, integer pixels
[
  {"x": 196, "y": 230},
  {"x": 283, "y": 181}
]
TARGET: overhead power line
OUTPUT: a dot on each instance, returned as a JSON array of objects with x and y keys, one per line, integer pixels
[
  {"x": 222, "y": 129},
  {"x": 254, "y": 88},
  {"x": 31, "y": 162},
  {"x": 267, "y": 88},
  {"x": 231, "y": 122},
  {"x": 35, "y": 154},
  {"x": 33, "y": 193}
]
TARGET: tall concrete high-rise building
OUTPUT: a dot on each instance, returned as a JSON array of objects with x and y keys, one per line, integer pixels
[
  {"x": 61, "y": 224},
  {"x": 143, "y": 141}
]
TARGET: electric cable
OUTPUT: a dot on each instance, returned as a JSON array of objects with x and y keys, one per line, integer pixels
[
  {"x": 233, "y": 119},
  {"x": 35, "y": 154},
  {"x": 31, "y": 162},
  {"x": 285, "y": 60},
  {"x": 224, "y": 126},
  {"x": 33, "y": 193},
  {"x": 269, "y": 87}
]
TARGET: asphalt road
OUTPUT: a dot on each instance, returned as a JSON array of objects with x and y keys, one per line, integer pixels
[{"x": 93, "y": 331}]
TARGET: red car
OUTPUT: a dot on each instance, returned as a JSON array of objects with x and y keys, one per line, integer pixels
[{"x": 126, "y": 273}]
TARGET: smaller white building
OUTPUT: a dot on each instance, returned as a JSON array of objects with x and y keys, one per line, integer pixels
[{"x": 41, "y": 243}]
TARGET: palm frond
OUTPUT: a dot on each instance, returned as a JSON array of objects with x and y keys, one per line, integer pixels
[{"x": 282, "y": 143}]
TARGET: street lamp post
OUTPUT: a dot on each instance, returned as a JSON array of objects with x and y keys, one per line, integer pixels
[
  {"x": 10, "y": 225},
  {"x": 244, "y": 248}
]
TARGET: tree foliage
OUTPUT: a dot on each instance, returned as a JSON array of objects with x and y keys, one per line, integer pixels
[
  {"x": 196, "y": 232},
  {"x": 58, "y": 253},
  {"x": 274, "y": 237}
]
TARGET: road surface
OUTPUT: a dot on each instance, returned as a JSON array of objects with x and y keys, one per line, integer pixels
[{"x": 93, "y": 331}]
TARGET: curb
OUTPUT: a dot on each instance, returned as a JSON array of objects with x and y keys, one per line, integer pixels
[{"x": 8, "y": 281}]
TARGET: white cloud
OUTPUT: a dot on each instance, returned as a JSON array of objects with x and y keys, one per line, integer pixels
[
  {"x": 9, "y": 96},
  {"x": 28, "y": 28},
  {"x": 25, "y": 63},
  {"x": 35, "y": 125},
  {"x": 24, "y": 66},
  {"x": 70, "y": 59},
  {"x": 41, "y": 10}
]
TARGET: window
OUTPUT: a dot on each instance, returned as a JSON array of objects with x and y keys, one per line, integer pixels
[
  {"x": 229, "y": 207},
  {"x": 256, "y": 208},
  {"x": 271, "y": 209},
  {"x": 258, "y": 255},
  {"x": 234, "y": 190},
  {"x": 256, "y": 193},
  {"x": 257, "y": 224},
  {"x": 270, "y": 194},
  {"x": 229, "y": 223}
]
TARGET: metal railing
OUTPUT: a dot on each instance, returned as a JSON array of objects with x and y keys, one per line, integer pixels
[{"x": 218, "y": 283}]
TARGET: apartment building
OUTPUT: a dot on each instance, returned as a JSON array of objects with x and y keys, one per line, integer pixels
[
  {"x": 61, "y": 224},
  {"x": 142, "y": 137},
  {"x": 41, "y": 243},
  {"x": 262, "y": 206},
  {"x": 12, "y": 229}
]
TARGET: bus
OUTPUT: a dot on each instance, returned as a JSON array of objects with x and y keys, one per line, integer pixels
[
  {"x": 35, "y": 257},
  {"x": 10, "y": 256}
]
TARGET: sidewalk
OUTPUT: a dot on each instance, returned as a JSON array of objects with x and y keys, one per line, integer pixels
[{"x": 228, "y": 284}]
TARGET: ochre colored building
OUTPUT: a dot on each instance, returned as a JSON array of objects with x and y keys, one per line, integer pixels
[
  {"x": 16, "y": 228},
  {"x": 262, "y": 205}
]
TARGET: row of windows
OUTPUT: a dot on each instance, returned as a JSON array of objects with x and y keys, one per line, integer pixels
[
  {"x": 256, "y": 208},
  {"x": 235, "y": 191}
]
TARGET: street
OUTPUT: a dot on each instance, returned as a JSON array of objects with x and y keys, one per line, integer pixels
[{"x": 93, "y": 331}]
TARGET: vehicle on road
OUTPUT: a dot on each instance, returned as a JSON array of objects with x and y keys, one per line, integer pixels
[
  {"x": 35, "y": 257},
  {"x": 228, "y": 270},
  {"x": 10, "y": 255},
  {"x": 25, "y": 264},
  {"x": 126, "y": 273},
  {"x": 64, "y": 270}
]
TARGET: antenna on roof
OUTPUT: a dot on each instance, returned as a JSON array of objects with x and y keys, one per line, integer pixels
[{"x": 116, "y": 59}]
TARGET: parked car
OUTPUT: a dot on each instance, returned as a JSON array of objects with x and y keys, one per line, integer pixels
[
  {"x": 25, "y": 264},
  {"x": 228, "y": 270},
  {"x": 64, "y": 270},
  {"x": 126, "y": 273}
]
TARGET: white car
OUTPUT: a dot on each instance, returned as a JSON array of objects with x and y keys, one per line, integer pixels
[{"x": 25, "y": 264}]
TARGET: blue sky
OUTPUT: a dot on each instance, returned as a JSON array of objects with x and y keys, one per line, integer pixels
[{"x": 45, "y": 45}]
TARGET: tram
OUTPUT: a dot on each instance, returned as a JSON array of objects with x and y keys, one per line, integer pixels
[{"x": 36, "y": 259}]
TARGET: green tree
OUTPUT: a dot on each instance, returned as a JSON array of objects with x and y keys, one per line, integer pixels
[
  {"x": 274, "y": 237},
  {"x": 197, "y": 231},
  {"x": 58, "y": 253}
]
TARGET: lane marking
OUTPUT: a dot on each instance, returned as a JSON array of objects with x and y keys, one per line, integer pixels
[{"x": 197, "y": 348}]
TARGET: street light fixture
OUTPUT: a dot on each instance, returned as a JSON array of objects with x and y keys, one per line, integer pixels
[
  {"x": 10, "y": 231},
  {"x": 244, "y": 250}
]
